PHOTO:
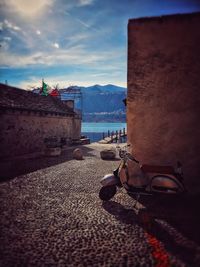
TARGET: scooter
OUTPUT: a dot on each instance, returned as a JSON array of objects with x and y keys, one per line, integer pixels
[{"x": 158, "y": 179}]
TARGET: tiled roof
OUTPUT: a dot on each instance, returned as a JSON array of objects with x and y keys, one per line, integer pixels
[{"x": 15, "y": 98}]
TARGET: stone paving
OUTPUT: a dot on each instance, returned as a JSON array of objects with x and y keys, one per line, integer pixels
[{"x": 53, "y": 216}]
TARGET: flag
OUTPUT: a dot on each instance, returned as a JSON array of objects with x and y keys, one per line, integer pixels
[
  {"x": 54, "y": 92},
  {"x": 44, "y": 88}
]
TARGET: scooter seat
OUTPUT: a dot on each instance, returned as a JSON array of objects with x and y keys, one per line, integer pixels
[{"x": 158, "y": 169}]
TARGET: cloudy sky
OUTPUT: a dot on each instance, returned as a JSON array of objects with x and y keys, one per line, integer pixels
[{"x": 72, "y": 42}]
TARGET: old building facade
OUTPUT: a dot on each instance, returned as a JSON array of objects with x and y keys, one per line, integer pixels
[
  {"x": 163, "y": 104},
  {"x": 28, "y": 119}
]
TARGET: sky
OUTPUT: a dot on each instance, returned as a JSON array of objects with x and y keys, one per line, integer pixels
[{"x": 72, "y": 42}]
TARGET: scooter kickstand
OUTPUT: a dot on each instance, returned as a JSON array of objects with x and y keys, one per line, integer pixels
[{"x": 137, "y": 198}]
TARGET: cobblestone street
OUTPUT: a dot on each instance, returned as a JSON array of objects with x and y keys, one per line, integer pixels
[{"x": 51, "y": 215}]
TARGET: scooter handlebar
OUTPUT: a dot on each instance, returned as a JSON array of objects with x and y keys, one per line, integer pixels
[
  {"x": 126, "y": 155},
  {"x": 130, "y": 157}
]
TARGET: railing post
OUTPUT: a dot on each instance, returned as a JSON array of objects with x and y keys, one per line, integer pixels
[{"x": 111, "y": 137}]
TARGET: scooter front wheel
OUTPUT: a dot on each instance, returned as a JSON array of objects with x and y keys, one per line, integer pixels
[{"x": 107, "y": 192}]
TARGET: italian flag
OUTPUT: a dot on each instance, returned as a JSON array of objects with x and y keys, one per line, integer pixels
[{"x": 44, "y": 88}]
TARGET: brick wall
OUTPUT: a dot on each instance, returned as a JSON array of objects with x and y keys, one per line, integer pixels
[
  {"x": 24, "y": 132},
  {"x": 163, "y": 106}
]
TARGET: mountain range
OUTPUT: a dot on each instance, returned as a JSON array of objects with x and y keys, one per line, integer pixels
[{"x": 101, "y": 103}]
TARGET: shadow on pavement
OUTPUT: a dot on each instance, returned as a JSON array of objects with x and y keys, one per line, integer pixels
[
  {"x": 127, "y": 216},
  {"x": 10, "y": 169},
  {"x": 168, "y": 224},
  {"x": 181, "y": 212}
]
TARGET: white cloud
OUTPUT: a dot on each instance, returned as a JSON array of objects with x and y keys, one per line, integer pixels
[
  {"x": 85, "y": 2},
  {"x": 38, "y": 32},
  {"x": 9, "y": 25},
  {"x": 98, "y": 69},
  {"x": 72, "y": 79},
  {"x": 14, "y": 60},
  {"x": 80, "y": 21},
  {"x": 79, "y": 37},
  {"x": 74, "y": 56},
  {"x": 83, "y": 23},
  {"x": 7, "y": 38},
  {"x": 4, "y": 45},
  {"x": 56, "y": 45}
]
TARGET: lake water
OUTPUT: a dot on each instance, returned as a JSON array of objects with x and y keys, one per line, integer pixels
[{"x": 95, "y": 130}]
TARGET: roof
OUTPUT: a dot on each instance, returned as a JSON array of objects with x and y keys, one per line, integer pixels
[
  {"x": 165, "y": 17},
  {"x": 15, "y": 98}
]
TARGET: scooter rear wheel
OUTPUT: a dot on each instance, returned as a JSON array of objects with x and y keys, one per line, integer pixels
[{"x": 107, "y": 192}]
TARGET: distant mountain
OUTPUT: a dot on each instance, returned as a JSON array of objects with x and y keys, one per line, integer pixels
[
  {"x": 109, "y": 88},
  {"x": 102, "y": 102}
]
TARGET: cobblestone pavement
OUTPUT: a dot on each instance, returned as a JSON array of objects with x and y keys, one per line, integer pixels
[{"x": 54, "y": 217}]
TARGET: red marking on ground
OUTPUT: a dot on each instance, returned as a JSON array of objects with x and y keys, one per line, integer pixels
[{"x": 159, "y": 253}]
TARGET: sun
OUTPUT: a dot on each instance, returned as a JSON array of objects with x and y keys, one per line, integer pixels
[{"x": 29, "y": 8}]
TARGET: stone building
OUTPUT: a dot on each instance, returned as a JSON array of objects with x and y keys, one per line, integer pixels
[
  {"x": 28, "y": 119},
  {"x": 163, "y": 104}
]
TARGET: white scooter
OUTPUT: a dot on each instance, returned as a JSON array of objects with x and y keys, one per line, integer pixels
[{"x": 159, "y": 179}]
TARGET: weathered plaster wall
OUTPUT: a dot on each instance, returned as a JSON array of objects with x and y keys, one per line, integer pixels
[
  {"x": 163, "y": 107},
  {"x": 22, "y": 133}
]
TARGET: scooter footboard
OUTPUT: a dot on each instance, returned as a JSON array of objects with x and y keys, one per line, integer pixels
[{"x": 109, "y": 179}]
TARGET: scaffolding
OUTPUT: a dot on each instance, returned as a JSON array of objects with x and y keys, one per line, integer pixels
[{"x": 73, "y": 93}]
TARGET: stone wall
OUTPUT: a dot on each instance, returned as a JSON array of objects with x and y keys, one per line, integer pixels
[
  {"x": 163, "y": 106},
  {"x": 24, "y": 132}
]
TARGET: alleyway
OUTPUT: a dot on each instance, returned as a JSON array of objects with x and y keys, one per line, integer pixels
[{"x": 51, "y": 215}]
